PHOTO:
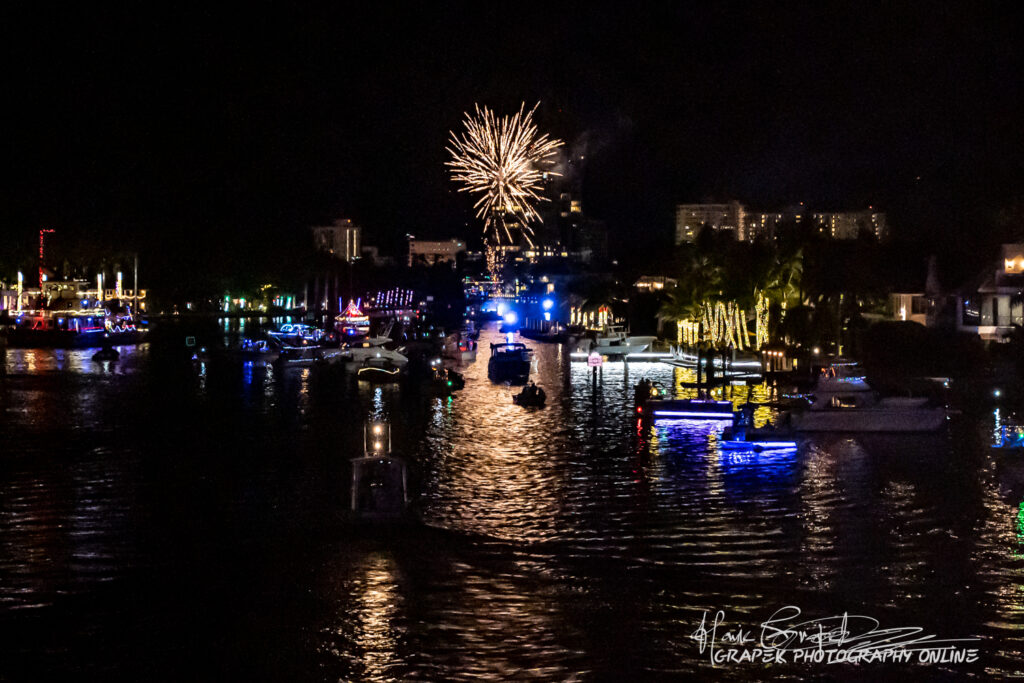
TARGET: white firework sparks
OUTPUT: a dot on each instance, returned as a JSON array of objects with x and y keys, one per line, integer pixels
[{"x": 499, "y": 159}]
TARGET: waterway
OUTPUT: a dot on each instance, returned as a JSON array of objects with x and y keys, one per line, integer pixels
[{"x": 181, "y": 521}]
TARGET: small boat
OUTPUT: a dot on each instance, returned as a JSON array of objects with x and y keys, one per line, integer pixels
[
  {"x": 844, "y": 402},
  {"x": 254, "y": 351},
  {"x": 446, "y": 381},
  {"x": 460, "y": 347},
  {"x": 510, "y": 362},
  {"x": 379, "y": 479},
  {"x": 743, "y": 436},
  {"x": 530, "y": 399},
  {"x": 107, "y": 353}
]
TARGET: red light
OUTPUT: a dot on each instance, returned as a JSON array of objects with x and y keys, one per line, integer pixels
[{"x": 639, "y": 409}]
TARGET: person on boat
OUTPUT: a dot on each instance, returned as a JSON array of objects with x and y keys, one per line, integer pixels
[
  {"x": 539, "y": 394},
  {"x": 742, "y": 420},
  {"x": 529, "y": 391},
  {"x": 642, "y": 391}
]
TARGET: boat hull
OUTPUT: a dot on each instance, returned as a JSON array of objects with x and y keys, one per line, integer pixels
[
  {"x": 688, "y": 409},
  {"x": 870, "y": 420},
  {"x": 517, "y": 371},
  {"x": 69, "y": 339}
]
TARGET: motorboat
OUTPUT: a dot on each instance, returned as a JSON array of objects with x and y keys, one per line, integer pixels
[
  {"x": 379, "y": 487},
  {"x": 845, "y": 402},
  {"x": 303, "y": 352},
  {"x": 74, "y": 329},
  {"x": 614, "y": 340},
  {"x": 293, "y": 334},
  {"x": 510, "y": 362},
  {"x": 743, "y": 436},
  {"x": 446, "y": 381},
  {"x": 251, "y": 350},
  {"x": 460, "y": 347},
  {"x": 372, "y": 352},
  {"x": 254, "y": 351}
]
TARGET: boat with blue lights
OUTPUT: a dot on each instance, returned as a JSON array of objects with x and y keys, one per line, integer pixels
[
  {"x": 510, "y": 362},
  {"x": 743, "y": 436},
  {"x": 656, "y": 408}
]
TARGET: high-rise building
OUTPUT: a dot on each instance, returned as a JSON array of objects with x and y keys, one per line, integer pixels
[
  {"x": 848, "y": 225},
  {"x": 432, "y": 252},
  {"x": 691, "y": 218},
  {"x": 761, "y": 225},
  {"x": 343, "y": 239}
]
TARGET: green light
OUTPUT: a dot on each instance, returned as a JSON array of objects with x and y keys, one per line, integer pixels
[
  {"x": 1020, "y": 523},
  {"x": 449, "y": 382}
]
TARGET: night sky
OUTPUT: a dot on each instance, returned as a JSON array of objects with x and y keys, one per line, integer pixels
[{"x": 234, "y": 132}]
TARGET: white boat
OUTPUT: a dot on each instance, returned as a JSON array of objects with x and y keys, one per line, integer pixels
[
  {"x": 461, "y": 348},
  {"x": 614, "y": 340},
  {"x": 372, "y": 353},
  {"x": 844, "y": 402}
]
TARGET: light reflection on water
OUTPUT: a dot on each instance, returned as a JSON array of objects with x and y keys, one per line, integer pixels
[{"x": 573, "y": 542}]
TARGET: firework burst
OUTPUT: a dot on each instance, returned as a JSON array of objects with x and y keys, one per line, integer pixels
[{"x": 499, "y": 159}]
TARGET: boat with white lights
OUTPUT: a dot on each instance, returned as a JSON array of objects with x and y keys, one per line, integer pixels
[
  {"x": 510, "y": 362},
  {"x": 845, "y": 402},
  {"x": 379, "y": 486}
]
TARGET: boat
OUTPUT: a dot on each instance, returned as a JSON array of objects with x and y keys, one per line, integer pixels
[
  {"x": 614, "y": 340},
  {"x": 530, "y": 399},
  {"x": 304, "y": 353},
  {"x": 743, "y": 436},
  {"x": 510, "y": 362},
  {"x": 446, "y": 381},
  {"x": 107, "y": 353},
  {"x": 372, "y": 352},
  {"x": 74, "y": 329},
  {"x": 352, "y": 322},
  {"x": 685, "y": 408},
  {"x": 845, "y": 402},
  {"x": 379, "y": 488},
  {"x": 460, "y": 348},
  {"x": 292, "y": 332},
  {"x": 255, "y": 351}
]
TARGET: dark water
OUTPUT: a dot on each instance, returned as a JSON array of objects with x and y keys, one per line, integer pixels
[{"x": 160, "y": 521}]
